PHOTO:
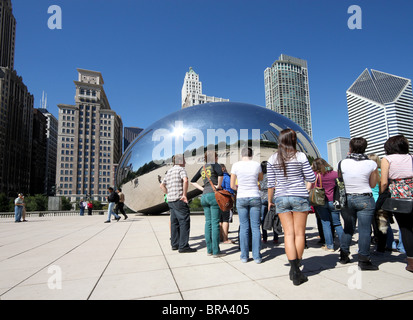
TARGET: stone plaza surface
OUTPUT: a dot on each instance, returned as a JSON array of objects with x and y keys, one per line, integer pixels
[{"x": 82, "y": 258}]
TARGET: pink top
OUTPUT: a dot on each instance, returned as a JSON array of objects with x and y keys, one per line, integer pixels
[{"x": 401, "y": 166}]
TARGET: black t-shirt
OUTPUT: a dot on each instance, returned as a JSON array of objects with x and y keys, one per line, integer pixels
[{"x": 213, "y": 170}]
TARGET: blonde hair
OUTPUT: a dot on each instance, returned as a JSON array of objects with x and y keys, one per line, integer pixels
[{"x": 376, "y": 159}]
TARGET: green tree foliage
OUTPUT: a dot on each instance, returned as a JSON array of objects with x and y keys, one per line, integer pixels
[
  {"x": 66, "y": 205},
  {"x": 195, "y": 204},
  {"x": 5, "y": 203},
  {"x": 37, "y": 202}
]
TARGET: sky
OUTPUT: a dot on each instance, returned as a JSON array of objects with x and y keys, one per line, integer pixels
[{"x": 143, "y": 48}]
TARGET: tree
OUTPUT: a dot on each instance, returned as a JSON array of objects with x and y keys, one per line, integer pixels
[
  {"x": 4, "y": 203},
  {"x": 66, "y": 205},
  {"x": 37, "y": 202},
  {"x": 195, "y": 204}
]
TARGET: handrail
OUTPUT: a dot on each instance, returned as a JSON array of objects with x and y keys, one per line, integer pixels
[{"x": 51, "y": 213}]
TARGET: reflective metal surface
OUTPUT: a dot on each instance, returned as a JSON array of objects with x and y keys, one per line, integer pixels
[{"x": 224, "y": 126}]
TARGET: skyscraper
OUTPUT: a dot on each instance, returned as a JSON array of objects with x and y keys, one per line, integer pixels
[
  {"x": 287, "y": 91},
  {"x": 16, "y": 113},
  {"x": 191, "y": 93},
  {"x": 337, "y": 150},
  {"x": 39, "y": 153},
  {"x": 380, "y": 105},
  {"x": 16, "y": 124},
  {"x": 129, "y": 134},
  {"x": 89, "y": 141},
  {"x": 51, "y": 150},
  {"x": 7, "y": 34}
]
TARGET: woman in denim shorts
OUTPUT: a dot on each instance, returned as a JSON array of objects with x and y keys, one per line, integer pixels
[{"x": 288, "y": 170}]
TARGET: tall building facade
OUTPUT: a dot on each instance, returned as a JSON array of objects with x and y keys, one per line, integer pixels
[
  {"x": 129, "y": 134},
  {"x": 51, "y": 151},
  {"x": 337, "y": 150},
  {"x": 16, "y": 129},
  {"x": 287, "y": 90},
  {"x": 39, "y": 153},
  {"x": 89, "y": 141},
  {"x": 16, "y": 113},
  {"x": 7, "y": 34},
  {"x": 380, "y": 105},
  {"x": 191, "y": 93}
]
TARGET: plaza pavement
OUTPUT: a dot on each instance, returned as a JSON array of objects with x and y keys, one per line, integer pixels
[{"x": 81, "y": 258}]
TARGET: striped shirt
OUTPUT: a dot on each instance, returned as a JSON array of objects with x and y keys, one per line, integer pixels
[
  {"x": 298, "y": 171},
  {"x": 173, "y": 182}
]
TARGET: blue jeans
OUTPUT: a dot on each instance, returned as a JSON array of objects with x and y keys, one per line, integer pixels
[
  {"x": 180, "y": 224},
  {"x": 212, "y": 216},
  {"x": 249, "y": 213},
  {"x": 361, "y": 208},
  {"x": 329, "y": 217},
  {"x": 110, "y": 211},
  {"x": 18, "y": 210}
]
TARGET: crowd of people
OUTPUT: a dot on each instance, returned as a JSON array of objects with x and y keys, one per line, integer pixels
[
  {"x": 281, "y": 186},
  {"x": 282, "y": 183}
]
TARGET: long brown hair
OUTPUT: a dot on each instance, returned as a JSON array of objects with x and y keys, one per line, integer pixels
[
  {"x": 319, "y": 165},
  {"x": 287, "y": 148}
]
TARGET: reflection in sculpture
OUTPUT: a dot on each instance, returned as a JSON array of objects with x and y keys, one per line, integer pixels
[{"x": 224, "y": 126}]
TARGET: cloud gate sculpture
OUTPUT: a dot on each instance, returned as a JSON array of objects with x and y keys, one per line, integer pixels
[{"x": 226, "y": 127}]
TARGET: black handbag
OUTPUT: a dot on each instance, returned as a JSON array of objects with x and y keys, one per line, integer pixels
[
  {"x": 268, "y": 223},
  {"x": 398, "y": 205},
  {"x": 339, "y": 197}
]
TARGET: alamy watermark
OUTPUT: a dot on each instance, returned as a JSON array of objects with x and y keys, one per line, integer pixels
[
  {"x": 355, "y": 280},
  {"x": 55, "y": 280},
  {"x": 355, "y": 20},
  {"x": 55, "y": 20}
]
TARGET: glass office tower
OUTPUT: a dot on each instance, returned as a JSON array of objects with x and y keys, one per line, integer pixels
[{"x": 287, "y": 91}]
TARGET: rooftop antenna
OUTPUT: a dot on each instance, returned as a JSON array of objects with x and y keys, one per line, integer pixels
[{"x": 43, "y": 101}]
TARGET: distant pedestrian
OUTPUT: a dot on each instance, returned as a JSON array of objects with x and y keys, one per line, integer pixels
[
  {"x": 89, "y": 207},
  {"x": 288, "y": 170},
  {"x": 24, "y": 211},
  {"x": 113, "y": 198},
  {"x": 18, "y": 207},
  {"x": 82, "y": 207},
  {"x": 121, "y": 203},
  {"x": 175, "y": 186}
]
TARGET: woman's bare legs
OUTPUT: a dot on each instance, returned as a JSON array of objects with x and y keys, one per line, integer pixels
[{"x": 294, "y": 224}]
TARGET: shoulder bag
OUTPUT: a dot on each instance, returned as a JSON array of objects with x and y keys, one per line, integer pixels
[
  {"x": 317, "y": 194},
  {"x": 340, "y": 197},
  {"x": 399, "y": 205},
  {"x": 223, "y": 197}
]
